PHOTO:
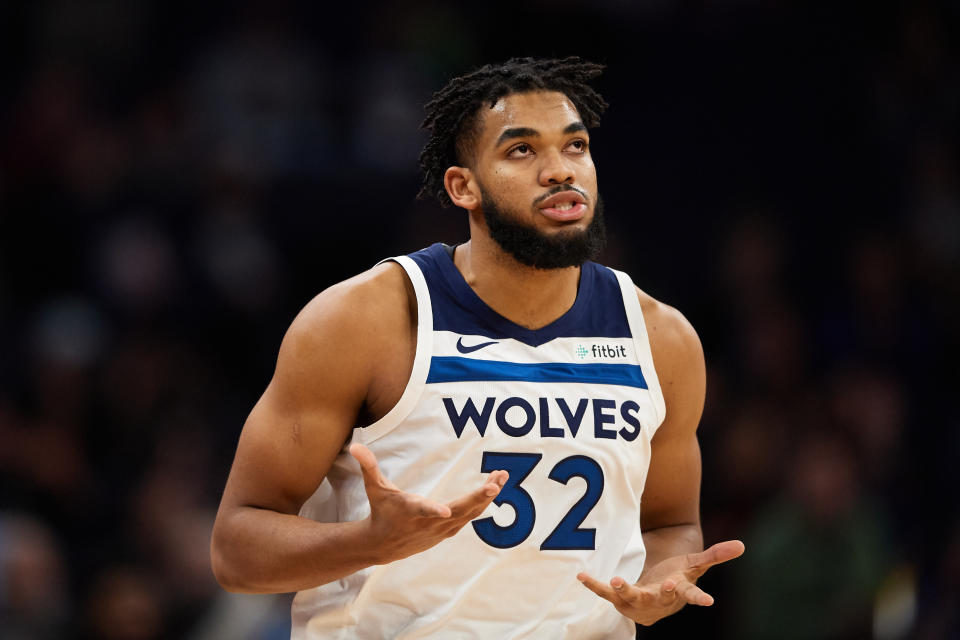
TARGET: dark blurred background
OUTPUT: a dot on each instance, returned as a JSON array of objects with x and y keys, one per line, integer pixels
[{"x": 178, "y": 179}]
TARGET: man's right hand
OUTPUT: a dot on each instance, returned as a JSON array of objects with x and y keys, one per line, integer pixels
[{"x": 402, "y": 524}]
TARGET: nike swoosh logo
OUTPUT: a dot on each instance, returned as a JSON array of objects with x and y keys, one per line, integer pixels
[{"x": 462, "y": 348}]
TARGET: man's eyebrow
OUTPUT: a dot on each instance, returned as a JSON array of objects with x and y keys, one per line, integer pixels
[
  {"x": 527, "y": 132},
  {"x": 517, "y": 132}
]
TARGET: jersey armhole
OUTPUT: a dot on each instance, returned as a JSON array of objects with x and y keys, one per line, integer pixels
[
  {"x": 421, "y": 360},
  {"x": 641, "y": 341}
]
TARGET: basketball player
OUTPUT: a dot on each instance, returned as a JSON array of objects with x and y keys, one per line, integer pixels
[{"x": 458, "y": 442}]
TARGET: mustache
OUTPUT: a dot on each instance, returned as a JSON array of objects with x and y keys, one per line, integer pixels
[{"x": 560, "y": 188}]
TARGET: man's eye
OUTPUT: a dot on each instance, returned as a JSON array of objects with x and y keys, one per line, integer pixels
[
  {"x": 520, "y": 150},
  {"x": 579, "y": 145}
]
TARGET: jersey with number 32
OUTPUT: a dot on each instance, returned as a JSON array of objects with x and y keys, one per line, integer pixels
[{"x": 568, "y": 410}]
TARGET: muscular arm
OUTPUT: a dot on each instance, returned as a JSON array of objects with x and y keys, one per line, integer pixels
[
  {"x": 288, "y": 444},
  {"x": 350, "y": 348},
  {"x": 670, "y": 513},
  {"x": 670, "y": 518}
]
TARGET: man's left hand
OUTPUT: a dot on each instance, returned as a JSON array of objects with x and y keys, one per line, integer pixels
[{"x": 665, "y": 587}]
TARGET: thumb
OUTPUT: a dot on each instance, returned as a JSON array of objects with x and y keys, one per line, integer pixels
[
  {"x": 716, "y": 554},
  {"x": 372, "y": 476}
]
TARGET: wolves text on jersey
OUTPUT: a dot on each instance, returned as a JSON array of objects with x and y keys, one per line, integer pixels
[{"x": 609, "y": 420}]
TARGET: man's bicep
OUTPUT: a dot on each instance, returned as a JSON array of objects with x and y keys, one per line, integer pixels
[
  {"x": 302, "y": 420},
  {"x": 283, "y": 455}
]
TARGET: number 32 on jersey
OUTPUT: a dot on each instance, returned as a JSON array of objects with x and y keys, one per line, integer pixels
[{"x": 567, "y": 534}]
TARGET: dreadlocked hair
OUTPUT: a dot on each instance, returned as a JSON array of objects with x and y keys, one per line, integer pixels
[{"x": 453, "y": 114}]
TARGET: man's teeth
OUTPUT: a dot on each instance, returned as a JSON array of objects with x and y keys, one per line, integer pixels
[{"x": 564, "y": 206}]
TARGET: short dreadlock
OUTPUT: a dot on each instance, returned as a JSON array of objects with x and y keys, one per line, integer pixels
[{"x": 453, "y": 113}]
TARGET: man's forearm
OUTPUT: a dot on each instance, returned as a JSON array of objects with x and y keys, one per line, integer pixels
[{"x": 261, "y": 551}]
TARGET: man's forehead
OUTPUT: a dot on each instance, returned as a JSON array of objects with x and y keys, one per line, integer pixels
[{"x": 540, "y": 110}]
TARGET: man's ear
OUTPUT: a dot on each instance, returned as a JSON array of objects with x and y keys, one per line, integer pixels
[{"x": 462, "y": 188}]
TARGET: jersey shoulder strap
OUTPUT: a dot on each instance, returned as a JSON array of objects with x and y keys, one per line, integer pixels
[
  {"x": 421, "y": 360},
  {"x": 641, "y": 340}
]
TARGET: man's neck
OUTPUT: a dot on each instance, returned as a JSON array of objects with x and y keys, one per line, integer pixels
[{"x": 529, "y": 297}]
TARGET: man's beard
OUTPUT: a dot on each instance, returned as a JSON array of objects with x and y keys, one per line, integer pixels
[{"x": 535, "y": 248}]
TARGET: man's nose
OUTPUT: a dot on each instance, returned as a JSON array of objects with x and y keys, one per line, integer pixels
[{"x": 555, "y": 170}]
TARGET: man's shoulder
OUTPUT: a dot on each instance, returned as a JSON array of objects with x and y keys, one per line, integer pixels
[
  {"x": 674, "y": 342},
  {"x": 366, "y": 309}
]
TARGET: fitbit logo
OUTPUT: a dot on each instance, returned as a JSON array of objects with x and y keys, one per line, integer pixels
[{"x": 601, "y": 351}]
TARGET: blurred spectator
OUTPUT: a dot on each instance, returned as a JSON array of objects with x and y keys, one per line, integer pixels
[
  {"x": 238, "y": 259},
  {"x": 387, "y": 137},
  {"x": 817, "y": 555},
  {"x": 137, "y": 265},
  {"x": 941, "y": 617},
  {"x": 256, "y": 102},
  {"x": 123, "y": 605},
  {"x": 34, "y": 599}
]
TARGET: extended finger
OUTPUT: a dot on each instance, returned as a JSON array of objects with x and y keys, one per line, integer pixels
[
  {"x": 716, "y": 554},
  {"x": 477, "y": 500},
  {"x": 602, "y": 589},
  {"x": 692, "y": 594}
]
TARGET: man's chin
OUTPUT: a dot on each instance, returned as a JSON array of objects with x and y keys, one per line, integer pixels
[{"x": 557, "y": 246}]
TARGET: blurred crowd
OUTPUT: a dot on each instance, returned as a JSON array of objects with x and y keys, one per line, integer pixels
[{"x": 177, "y": 180}]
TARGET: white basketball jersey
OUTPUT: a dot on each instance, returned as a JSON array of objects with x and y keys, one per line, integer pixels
[{"x": 568, "y": 410}]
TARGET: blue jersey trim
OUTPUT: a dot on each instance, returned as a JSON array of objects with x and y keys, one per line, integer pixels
[
  {"x": 454, "y": 369},
  {"x": 597, "y": 312}
]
